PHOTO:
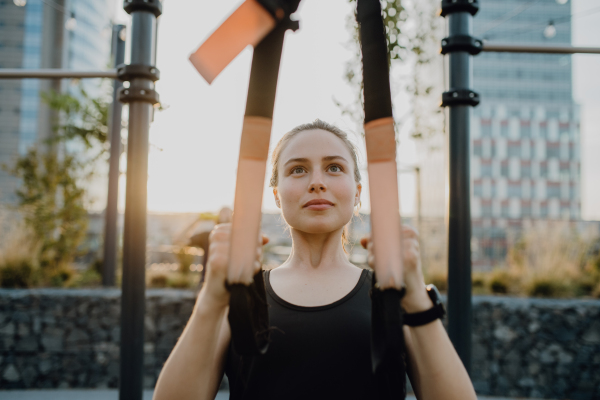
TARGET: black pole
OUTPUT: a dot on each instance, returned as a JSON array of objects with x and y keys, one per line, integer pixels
[
  {"x": 110, "y": 226},
  {"x": 141, "y": 96},
  {"x": 461, "y": 46}
]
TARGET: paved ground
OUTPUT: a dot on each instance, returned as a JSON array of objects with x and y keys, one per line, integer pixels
[{"x": 95, "y": 394}]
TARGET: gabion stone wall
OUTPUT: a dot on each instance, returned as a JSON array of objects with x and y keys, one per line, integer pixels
[
  {"x": 536, "y": 347},
  {"x": 55, "y": 338}
]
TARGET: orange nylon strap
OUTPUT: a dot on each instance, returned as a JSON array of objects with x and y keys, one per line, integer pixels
[
  {"x": 248, "y": 25},
  {"x": 252, "y": 164},
  {"x": 385, "y": 215}
]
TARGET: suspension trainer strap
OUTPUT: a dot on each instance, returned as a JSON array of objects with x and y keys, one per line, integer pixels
[
  {"x": 387, "y": 341},
  {"x": 248, "y": 314}
]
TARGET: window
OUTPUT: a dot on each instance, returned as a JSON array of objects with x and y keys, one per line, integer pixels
[
  {"x": 526, "y": 170},
  {"x": 504, "y": 210},
  {"x": 486, "y": 209},
  {"x": 525, "y": 129},
  {"x": 553, "y": 190},
  {"x": 514, "y": 149},
  {"x": 526, "y": 210},
  {"x": 504, "y": 169},
  {"x": 504, "y": 128},
  {"x": 552, "y": 150},
  {"x": 486, "y": 170},
  {"x": 514, "y": 189},
  {"x": 543, "y": 130},
  {"x": 477, "y": 189},
  {"x": 486, "y": 129},
  {"x": 477, "y": 148}
]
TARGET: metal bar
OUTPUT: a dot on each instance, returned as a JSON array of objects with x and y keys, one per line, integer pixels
[
  {"x": 134, "y": 233},
  {"x": 52, "y": 73},
  {"x": 533, "y": 48},
  {"x": 110, "y": 226},
  {"x": 459, "y": 207}
]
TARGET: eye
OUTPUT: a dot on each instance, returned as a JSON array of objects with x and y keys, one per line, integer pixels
[
  {"x": 335, "y": 168},
  {"x": 295, "y": 169}
]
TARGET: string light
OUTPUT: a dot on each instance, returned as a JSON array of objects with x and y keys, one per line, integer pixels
[
  {"x": 71, "y": 23},
  {"x": 550, "y": 30}
]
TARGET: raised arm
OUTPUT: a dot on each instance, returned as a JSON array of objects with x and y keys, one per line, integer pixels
[
  {"x": 195, "y": 366},
  {"x": 435, "y": 370}
]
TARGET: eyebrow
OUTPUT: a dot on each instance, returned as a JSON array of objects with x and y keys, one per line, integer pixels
[{"x": 326, "y": 158}]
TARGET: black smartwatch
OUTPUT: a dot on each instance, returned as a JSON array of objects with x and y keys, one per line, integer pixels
[{"x": 427, "y": 316}]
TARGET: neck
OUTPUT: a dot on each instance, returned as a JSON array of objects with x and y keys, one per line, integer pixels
[{"x": 321, "y": 251}]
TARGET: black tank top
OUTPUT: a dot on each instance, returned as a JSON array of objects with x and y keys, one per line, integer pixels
[{"x": 315, "y": 352}]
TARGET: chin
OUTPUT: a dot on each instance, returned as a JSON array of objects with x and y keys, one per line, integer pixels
[{"x": 318, "y": 224}]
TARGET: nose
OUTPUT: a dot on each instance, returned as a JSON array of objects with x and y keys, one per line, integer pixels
[{"x": 317, "y": 185}]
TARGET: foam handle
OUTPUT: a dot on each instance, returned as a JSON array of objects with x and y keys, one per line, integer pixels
[
  {"x": 252, "y": 164},
  {"x": 248, "y": 25},
  {"x": 385, "y": 205}
]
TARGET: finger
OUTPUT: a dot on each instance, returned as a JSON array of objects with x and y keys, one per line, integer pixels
[
  {"x": 265, "y": 240},
  {"x": 410, "y": 231}
]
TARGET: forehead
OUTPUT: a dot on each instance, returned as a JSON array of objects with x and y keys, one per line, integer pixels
[{"x": 314, "y": 144}]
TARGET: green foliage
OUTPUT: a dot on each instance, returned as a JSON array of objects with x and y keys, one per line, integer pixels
[
  {"x": 185, "y": 259},
  {"x": 59, "y": 276},
  {"x": 413, "y": 33},
  {"x": 158, "y": 281},
  {"x": 20, "y": 274},
  {"x": 499, "y": 281},
  {"x": 88, "y": 278},
  {"x": 545, "y": 286},
  {"x": 52, "y": 198}
]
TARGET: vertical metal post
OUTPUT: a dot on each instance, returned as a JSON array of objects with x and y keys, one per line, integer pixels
[
  {"x": 143, "y": 36},
  {"x": 110, "y": 226},
  {"x": 461, "y": 46}
]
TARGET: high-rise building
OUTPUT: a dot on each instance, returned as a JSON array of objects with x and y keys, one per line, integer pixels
[
  {"x": 525, "y": 161},
  {"x": 71, "y": 34},
  {"x": 525, "y": 145}
]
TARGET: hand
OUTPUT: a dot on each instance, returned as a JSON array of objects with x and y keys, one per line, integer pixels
[
  {"x": 218, "y": 262},
  {"x": 416, "y": 298}
]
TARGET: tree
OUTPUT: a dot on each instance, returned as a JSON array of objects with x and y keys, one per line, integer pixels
[
  {"x": 413, "y": 31},
  {"x": 52, "y": 197}
]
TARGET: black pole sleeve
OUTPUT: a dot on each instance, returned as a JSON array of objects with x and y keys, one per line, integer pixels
[
  {"x": 264, "y": 73},
  {"x": 376, "y": 75}
]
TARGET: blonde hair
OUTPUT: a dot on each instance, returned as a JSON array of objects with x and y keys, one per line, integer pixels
[{"x": 316, "y": 124}]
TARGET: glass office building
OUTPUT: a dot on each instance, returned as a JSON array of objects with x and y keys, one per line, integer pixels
[
  {"x": 72, "y": 34},
  {"x": 525, "y": 158}
]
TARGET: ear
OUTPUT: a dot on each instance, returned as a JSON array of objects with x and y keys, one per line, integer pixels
[
  {"x": 357, "y": 195},
  {"x": 277, "y": 202}
]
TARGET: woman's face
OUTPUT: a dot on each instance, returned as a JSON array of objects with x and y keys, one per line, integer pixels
[{"x": 316, "y": 189}]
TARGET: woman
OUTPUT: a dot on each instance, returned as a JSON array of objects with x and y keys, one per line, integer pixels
[{"x": 319, "y": 302}]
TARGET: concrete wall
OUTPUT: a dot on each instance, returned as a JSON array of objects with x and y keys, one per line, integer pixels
[{"x": 52, "y": 338}]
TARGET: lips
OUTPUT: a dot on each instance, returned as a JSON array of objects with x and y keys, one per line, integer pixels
[{"x": 318, "y": 202}]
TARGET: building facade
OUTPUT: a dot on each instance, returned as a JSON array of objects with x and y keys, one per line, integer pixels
[
  {"x": 72, "y": 34},
  {"x": 525, "y": 151},
  {"x": 525, "y": 143}
]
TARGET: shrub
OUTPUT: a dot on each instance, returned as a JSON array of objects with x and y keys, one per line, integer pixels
[
  {"x": 179, "y": 282},
  {"x": 547, "y": 286},
  {"x": 60, "y": 276},
  {"x": 20, "y": 274},
  {"x": 158, "y": 281},
  {"x": 88, "y": 278},
  {"x": 438, "y": 278},
  {"x": 501, "y": 281}
]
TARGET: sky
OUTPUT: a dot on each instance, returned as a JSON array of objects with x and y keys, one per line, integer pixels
[{"x": 195, "y": 141}]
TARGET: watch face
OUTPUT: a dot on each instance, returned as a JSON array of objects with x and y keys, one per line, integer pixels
[{"x": 434, "y": 294}]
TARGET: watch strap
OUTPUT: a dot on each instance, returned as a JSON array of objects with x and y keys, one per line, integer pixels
[{"x": 424, "y": 317}]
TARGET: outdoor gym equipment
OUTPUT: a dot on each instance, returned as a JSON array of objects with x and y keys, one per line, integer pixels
[
  {"x": 460, "y": 46},
  {"x": 265, "y": 24}
]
